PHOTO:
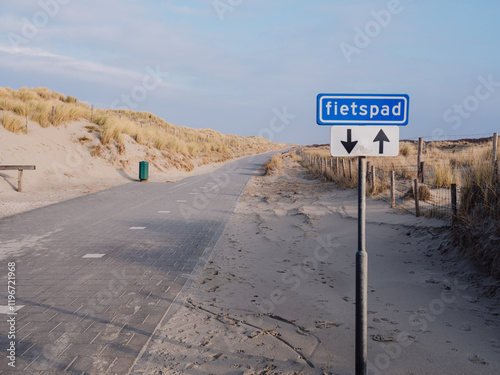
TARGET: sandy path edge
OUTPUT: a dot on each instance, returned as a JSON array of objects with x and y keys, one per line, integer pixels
[
  {"x": 65, "y": 167},
  {"x": 41, "y": 194},
  {"x": 276, "y": 294}
]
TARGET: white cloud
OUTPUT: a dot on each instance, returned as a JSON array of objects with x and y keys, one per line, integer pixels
[{"x": 36, "y": 59}]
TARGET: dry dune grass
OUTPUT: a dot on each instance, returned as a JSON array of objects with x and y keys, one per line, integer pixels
[
  {"x": 12, "y": 122},
  {"x": 154, "y": 132},
  {"x": 37, "y": 104},
  {"x": 449, "y": 162},
  {"x": 113, "y": 127},
  {"x": 275, "y": 164}
]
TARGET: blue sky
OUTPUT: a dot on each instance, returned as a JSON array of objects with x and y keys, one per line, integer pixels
[{"x": 254, "y": 67}]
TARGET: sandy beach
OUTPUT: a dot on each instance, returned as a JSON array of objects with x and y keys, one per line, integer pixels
[{"x": 276, "y": 295}]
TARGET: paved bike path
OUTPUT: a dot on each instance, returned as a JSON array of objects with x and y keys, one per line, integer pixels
[{"x": 96, "y": 274}]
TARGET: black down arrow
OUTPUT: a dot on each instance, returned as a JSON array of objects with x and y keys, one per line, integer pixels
[
  {"x": 381, "y": 137},
  {"x": 349, "y": 145}
]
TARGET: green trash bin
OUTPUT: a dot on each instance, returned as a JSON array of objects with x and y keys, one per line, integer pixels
[{"x": 143, "y": 171}]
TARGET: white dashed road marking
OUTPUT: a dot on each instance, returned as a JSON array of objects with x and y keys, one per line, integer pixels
[
  {"x": 7, "y": 309},
  {"x": 93, "y": 255}
]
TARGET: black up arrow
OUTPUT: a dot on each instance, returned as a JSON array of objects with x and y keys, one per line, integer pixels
[
  {"x": 381, "y": 137},
  {"x": 349, "y": 145}
]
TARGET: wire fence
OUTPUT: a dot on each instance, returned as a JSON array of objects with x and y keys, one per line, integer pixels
[
  {"x": 472, "y": 210},
  {"x": 409, "y": 188},
  {"x": 433, "y": 201}
]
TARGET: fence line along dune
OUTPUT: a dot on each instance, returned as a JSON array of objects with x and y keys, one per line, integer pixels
[{"x": 457, "y": 181}]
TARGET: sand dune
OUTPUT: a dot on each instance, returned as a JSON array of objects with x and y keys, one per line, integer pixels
[
  {"x": 65, "y": 167},
  {"x": 277, "y": 294}
]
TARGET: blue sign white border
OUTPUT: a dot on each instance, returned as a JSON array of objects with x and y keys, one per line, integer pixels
[{"x": 319, "y": 114}]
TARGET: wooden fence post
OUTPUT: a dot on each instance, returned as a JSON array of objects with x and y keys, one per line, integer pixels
[
  {"x": 393, "y": 190},
  {"x": 343, "y": 167},
  {"x": 337, "y": 166},
  {"x": 53, "y": 112},
  {"x": 453, "y": 203},
  {"x": 494, "y": 152},
  {"x": 19, "y": 180},
  {"x": 419, "y": 156},
  {"x": 372, "y": 176},
  {"x": 350, "y": 168},
  {"x": 422, "y": 171},
  {"x": 415, "y": 190}
]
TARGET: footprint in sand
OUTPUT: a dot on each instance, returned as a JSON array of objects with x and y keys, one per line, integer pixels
[
  {"x": 392, "y": 322},
  {"x": 494, "y": 343},
  {"x": 383, "y": 338},
  {"x": 467, "y": 327},
  {"x": 324, "y": 325},
  {"x": 477, "y": 360},
  {"x": 212, "y": 357}
]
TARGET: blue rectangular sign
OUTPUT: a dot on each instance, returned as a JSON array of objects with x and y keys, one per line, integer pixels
[{"x": 362, "y": 109}]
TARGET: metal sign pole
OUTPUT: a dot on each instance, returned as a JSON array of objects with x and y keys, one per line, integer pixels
[
  {"x": 361, "y": 275},
  {"x": 350, "y": 136}
]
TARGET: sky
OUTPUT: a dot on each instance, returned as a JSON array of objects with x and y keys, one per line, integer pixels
[{"x": 255, "y": 67}]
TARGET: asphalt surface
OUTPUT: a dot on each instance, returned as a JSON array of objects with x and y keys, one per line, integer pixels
[{"x": 97, "y": 274}]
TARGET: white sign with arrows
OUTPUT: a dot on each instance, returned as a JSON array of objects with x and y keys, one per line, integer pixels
[{"x": 364, "y": 141}]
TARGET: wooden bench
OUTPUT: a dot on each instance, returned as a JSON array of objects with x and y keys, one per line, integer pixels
[{"x": 20, "y": 169}]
